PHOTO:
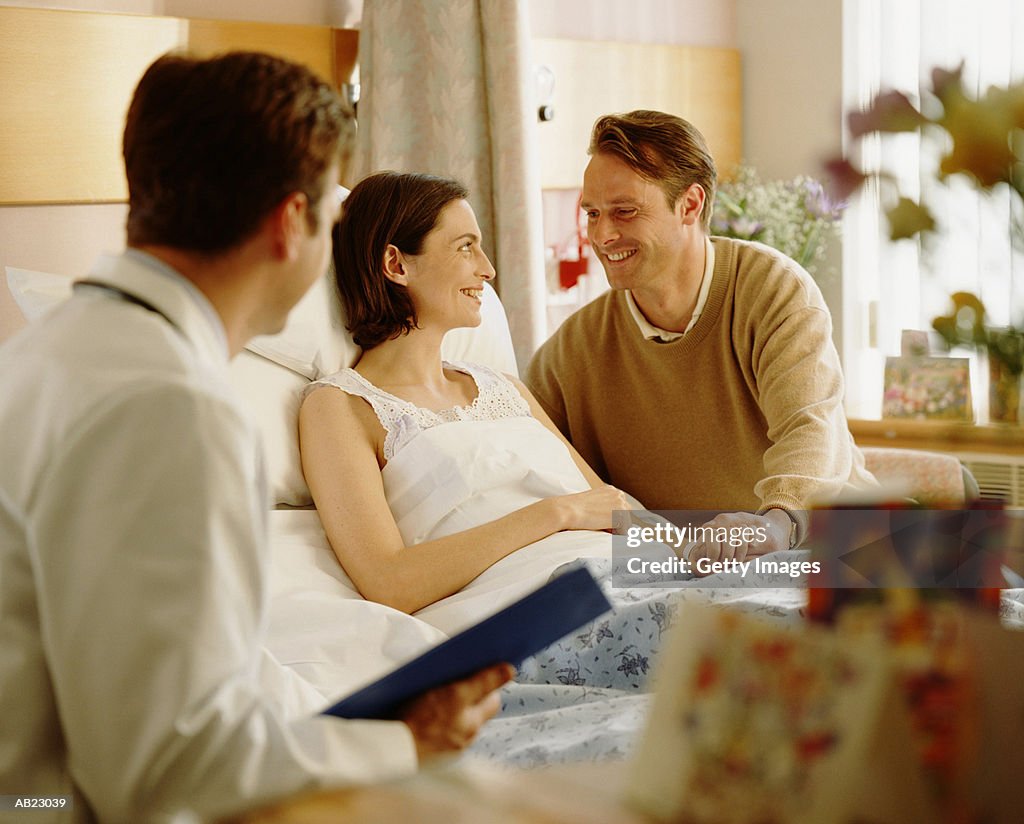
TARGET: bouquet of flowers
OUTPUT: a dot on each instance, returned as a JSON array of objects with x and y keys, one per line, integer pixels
[{"x": 796, "y": 216}]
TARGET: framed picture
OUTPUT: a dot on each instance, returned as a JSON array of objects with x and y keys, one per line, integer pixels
[
  {"x": 914, "y": 343},
  {"x": 927, "y": 388}
]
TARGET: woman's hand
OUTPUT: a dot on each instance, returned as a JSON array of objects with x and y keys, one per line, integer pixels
[{"x": 591, "y": 509}]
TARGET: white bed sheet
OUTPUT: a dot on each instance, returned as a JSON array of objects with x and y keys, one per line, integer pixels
[
  {"x": 324, "y": 630},
  {"x": 321, "y": 627},
  {"x": 319, "y": 624}
]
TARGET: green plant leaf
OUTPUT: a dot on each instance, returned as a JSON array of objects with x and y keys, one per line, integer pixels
[
  {"x": 909, "y": 218},
  {"x": 981, "y": 136},
  {"x": 889, "y": 112}
]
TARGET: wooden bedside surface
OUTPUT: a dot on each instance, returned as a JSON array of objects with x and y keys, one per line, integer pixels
[
  {"x": 940, "y": 436},
  {"x": 470, "y": 793}
]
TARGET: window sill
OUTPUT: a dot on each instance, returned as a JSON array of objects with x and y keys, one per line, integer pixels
[{"x": 940, "y": 436}]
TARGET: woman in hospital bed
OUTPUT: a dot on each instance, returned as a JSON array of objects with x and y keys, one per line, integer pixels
[{"x": 443, "y": 488}]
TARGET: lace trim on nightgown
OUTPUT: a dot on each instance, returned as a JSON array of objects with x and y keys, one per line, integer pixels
[{"x": 497, "y": 398}]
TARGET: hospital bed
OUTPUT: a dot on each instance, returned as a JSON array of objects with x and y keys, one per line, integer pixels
[{"x": 321, "y": 627}]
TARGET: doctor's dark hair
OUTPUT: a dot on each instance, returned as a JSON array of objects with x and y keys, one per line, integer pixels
[
  {"x": 211, "y": 147},
  {"x": 661, "y": 148},
  {"x": 385, "y": 208}
]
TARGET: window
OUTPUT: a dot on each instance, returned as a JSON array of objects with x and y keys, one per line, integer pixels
[{"x": 893, "y": 286}]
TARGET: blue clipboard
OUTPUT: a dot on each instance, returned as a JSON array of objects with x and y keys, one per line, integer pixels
[{"x": 512, "y": 634}]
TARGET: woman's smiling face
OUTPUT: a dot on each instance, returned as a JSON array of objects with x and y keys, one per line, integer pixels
[{"x": 446, "y": 279}]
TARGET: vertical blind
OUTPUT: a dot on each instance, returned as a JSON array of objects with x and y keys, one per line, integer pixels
[{"x": 890, "y": 286}]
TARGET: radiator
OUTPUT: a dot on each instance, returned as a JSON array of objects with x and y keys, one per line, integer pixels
[{"x": 999, "y": 477}]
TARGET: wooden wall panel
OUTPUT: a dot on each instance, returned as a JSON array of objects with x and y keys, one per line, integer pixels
[
  {"x": 311, "y": 45},
  {"x": 65, "y": 82},
  {"x": 346, "y": 54},
  {"x": 593, "y": 78}
]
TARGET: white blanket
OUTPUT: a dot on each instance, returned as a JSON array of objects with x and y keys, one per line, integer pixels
[
  {"x": 320, "y": 626},
  {"x": 448, "y": 479},
  {"x": 459, "y": 475}
]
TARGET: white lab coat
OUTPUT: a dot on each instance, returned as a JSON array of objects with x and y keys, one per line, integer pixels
[{"x": 133, "y": 564}]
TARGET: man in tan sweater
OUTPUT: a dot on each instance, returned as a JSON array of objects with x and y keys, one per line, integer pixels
[{"x": 707, "y": 378}]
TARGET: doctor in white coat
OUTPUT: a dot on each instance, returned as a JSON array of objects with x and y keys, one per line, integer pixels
[{"x": 133, "y": 550}]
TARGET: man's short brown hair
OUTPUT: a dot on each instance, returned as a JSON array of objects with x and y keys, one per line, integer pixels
[
  {"x": 212, "y": 146},
  {"x": 661, "y": 148},
  {"x": 385, "y": 208}
]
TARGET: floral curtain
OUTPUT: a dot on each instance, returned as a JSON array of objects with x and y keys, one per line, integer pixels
[
  {"x": 445, "y": 90},
  {"x": 890, "y": 286}
]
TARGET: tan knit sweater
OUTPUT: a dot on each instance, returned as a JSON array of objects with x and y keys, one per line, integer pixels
[{"x": 744, "y": 412}]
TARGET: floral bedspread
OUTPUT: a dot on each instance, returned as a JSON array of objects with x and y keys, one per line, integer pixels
[{"x": 586, "y": 697}]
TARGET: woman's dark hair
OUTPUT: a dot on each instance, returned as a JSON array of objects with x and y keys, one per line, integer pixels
[{"x": 384, "y": 208}]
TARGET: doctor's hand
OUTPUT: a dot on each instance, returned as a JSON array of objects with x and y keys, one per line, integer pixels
[
  {"x": 591, "y": 509},
  {"x": 746, "y": 535},
  {"x": 447, "y": 719}
]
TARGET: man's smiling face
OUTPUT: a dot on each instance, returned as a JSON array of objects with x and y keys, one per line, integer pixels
[{"x": 637, "y": 237}]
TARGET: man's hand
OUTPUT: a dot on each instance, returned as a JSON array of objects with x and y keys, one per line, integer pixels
[
  {"x": 448, "y": 718},
  {"x": 750, "y": 535}
]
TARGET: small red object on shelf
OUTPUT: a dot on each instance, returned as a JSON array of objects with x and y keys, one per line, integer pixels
[{"x": 569, "y": 271}]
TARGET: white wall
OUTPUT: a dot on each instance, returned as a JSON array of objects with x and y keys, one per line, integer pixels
[
  {"x": 694, "y": 22},
  {"x": 792, "y": 97},
  {"x": 792, "y": 83},
  {"x": 679, "y": 22}
]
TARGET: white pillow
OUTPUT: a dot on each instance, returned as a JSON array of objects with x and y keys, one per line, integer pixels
[
  {"x": 315, "y": 343},
  {"x": 272, "y": 394},
  {"x": 36, "y": 292}
]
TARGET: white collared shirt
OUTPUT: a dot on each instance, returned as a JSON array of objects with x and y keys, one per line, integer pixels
[
  {"x": 652, "y": 332},
  {"x": 133, "y": 575},
  {"x": 193, "y": 291}
]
